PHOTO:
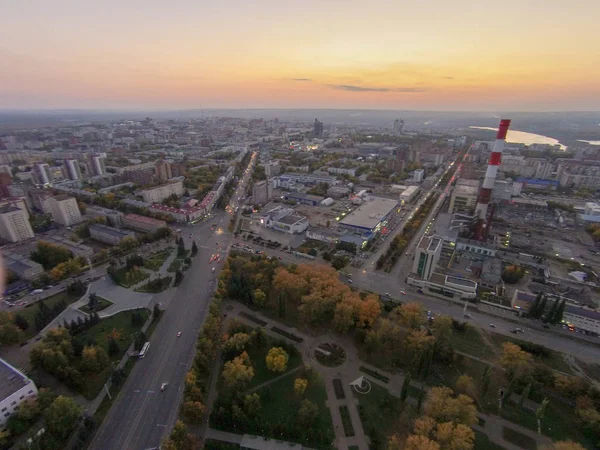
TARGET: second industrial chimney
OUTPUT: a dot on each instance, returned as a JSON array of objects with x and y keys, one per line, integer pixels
[{"x": 485, "y": 193}]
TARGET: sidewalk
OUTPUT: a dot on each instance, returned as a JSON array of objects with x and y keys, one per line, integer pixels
[{"x": 349, "y": 371}]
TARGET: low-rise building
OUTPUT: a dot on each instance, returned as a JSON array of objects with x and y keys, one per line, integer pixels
[
  {"x": 22, "y": 266},
  {"x": 409, "y": 194},
  {"x": 77, "y": 249},
  {"x": 113, "y": 217},
  {"x": 323, "y": 235},
  {"x": 159, "y": 193},
  {"x": 284, "y": 219},
  {"x": 370, "y": 216},
  {"x": 15, "y": 388},
  {"x": 109, "y": 235},
  {"x": 143, "y": 223},
  {"x": 464, "y": 196},
  {"x": 338, "y": 191},
  {"x": 304, "y": 199},
  {"x": 182, "y": 215},
  {"x": 475, "y": 248}
]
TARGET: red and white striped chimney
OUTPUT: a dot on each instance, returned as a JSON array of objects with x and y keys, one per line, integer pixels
[{"x": 490, "y": 177}]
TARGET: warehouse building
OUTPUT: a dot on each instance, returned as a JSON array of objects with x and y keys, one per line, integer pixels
[
  {"x": 369, "y": 217},
  {"x": 304, "y": 199}
]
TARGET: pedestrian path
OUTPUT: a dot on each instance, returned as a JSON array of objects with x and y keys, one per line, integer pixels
[{"x": 492, "y": 426}]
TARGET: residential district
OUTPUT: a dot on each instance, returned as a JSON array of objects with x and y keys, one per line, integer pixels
[{"x": 228, "y": 283}]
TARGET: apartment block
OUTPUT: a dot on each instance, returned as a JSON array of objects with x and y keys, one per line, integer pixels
[
  {"x": 159, "y": 193},
  {"x": 14, "y": 224},
  {"x": 64, "y": 210}
]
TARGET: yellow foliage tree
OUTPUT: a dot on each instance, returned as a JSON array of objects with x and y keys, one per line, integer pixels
[
  {"x": 417, "y": 442},
  {"x": 238, "y": 372},
  {"x": 277, "y": 359},
  {"x": 300, "y": 385},
  {"x": 564, "y": 445},
  {"x": 442, "y": 406},
  {"x": 515, "y": 361}
]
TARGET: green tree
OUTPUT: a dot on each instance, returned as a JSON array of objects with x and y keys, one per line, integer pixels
[
  {"x": 21, "y": 322},
  {"x": 61, "y": 417},
  {"x": 113, "y": 347},
  {"x": 524, "y": 395},
  {"x": 307, "y": 413}
]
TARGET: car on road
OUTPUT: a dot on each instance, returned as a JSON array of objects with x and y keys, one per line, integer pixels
[
  {"x": 403, "y": 292},
  {"x": 492, "y": 325},
  {"x": 387, "y": 294},
  {"x": 350, "y": 281},
  {"x": 179, "y": 334},
  {"x": 163, "y": 386},
  {"x": 467, "y": 315}
]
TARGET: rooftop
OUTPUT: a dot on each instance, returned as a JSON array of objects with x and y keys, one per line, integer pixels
[
  {"x": 144, "y": 219},
  {"x": 11, "y": 380},
  {"x": 8, "y": 209},
  {"x": 110, "y": 230},
  {"x": 370, "y": 213},
  {"x": 291, "y": 219},
  {"x": 466, "y": 190},
  {"x": 300, "y": 195}
]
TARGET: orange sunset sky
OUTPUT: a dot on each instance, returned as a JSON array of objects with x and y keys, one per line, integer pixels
[{"x": 433, "y": 55}]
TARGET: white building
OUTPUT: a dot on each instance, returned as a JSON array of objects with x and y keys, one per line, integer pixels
[
  {"x": 284, "y": 219},
  {"x": 97, "y": 165},
  {"x": 14, "y": 224},
  {"x": 159, "y": 193},
  {"x": 64, "y": 210},
  {"x": 41, "y": 173},
  {"x": 427, "y": 255},
  {"x": 15, "y": 388},
  {"x": 72, "y": 170},
  {"x": 418, "y": 175},
  {"x": 409, "y": 194}
]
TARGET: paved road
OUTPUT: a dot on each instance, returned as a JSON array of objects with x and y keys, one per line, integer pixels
[{"x": 143, "y": 415}]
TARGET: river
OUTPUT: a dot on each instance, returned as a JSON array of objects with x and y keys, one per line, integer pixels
[{"x": 522, "y": 137}]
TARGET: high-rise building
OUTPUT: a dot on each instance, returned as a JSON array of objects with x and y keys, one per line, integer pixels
[
  {"x": 398, "y": 126},
  {"x": 97, "y": 165},
  {"x": 427, "y": 255},
  {"x": 400, "y": 160},
  {"x": 65, "y": 210},
  {"x": 41, "y": 173},
  {"x": 261, "y": 192},
  {"x": 177, "y": 169},
  {"x": 14, "y": 224},
  {"x": 318, "y": 128},
  {"x": 72, "y": 170},
  {"x": 163, "y": 170},
  {"x": 5, "y": 181},
  {"x": 418, "y": 175}
]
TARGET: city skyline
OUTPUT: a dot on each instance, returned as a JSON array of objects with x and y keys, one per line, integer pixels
[{"x": 330, "y": 54}]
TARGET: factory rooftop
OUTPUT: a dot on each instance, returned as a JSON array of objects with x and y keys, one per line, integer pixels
[{"x": 370, "y": 214}]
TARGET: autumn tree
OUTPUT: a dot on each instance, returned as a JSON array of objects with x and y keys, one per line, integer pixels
[
  {"x": 300, "y": 385},
  {"x": 394, "y": 443},
  {"x": 442, "y": 406},
  {"x": 455, "y": 436},
  {"x": 412, "y": 315},
  {"x": 277, "y": 359},
  {"x": 369, "y": 311},
  {"x": 252, "y": 404},
  {"x": 193, "y": 411},
  {"x": 465, "y": 385},
  {"x": 236, "y": 343},
  {"x": 259, "y": 298},
  {"x": 417, "y": 442},
  {"x": 238, "y": 372},
  {"x": 419, "y": 343},
  {"x": 516, "y": 362},
  {"x": 94, "y": 359}
]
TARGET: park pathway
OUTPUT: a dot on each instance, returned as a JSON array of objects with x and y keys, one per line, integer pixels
[{"x": 492, "y": 426}]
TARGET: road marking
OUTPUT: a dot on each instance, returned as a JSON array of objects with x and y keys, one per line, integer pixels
[
  {"x": 151, "y": 392},
  {"x": 137, "y": 390},
  {"x": 161, "y": 425}
]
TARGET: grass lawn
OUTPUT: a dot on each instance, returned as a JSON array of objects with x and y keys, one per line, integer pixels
[
  {"x": 156, "y": 260},
  {"x": 559, "y": 422},
  {"x": 261, "y": 373},
  {"x": 102, "y": 304},
  {"x": 380, "y": 414},
  {"x": 280, "y": 409},
  {"x": 516, "y": 438},
  {"x": 120, "y": 276},
  {"x": 472, "y": 343},
  {"x": 176, "y": 264},
  {"x": 120, "y": 326},
  {"x": 482, "y": 442},
  {"x": 212, "y": 444},
  {"x": 104, "y": 407},
  {"x": 31, "y": 310}
]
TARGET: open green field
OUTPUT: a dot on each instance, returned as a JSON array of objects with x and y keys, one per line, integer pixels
[
  {"x": 156, "y": 260},
  {"x": 31, "y": 310},
  {"x": 472, "y": 343},
  {"x": 102, "y": 304},
  {"x": 482, "y": 442},
  {"x": 280, "y": 409},
  {"x": 212, "y": 444}
]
